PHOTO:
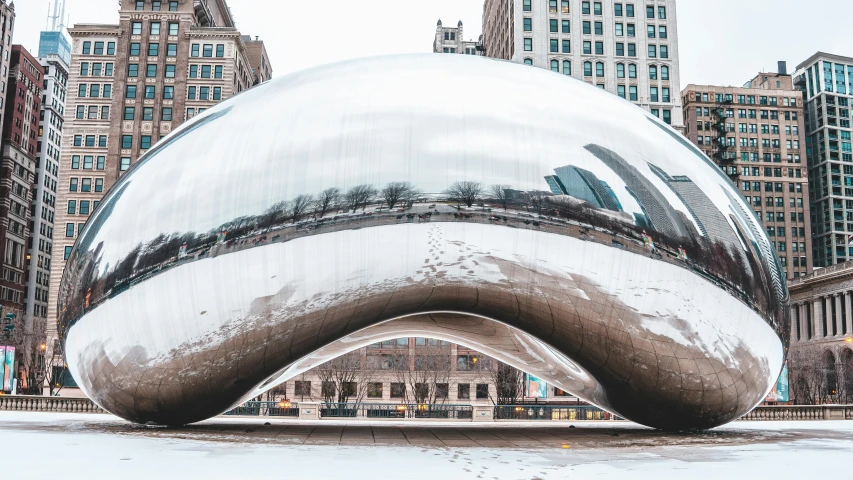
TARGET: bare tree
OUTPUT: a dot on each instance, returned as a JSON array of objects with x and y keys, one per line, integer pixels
[
  {"x": 299, "y": 206},
  {"x": 359, "y": 196},
  {"x": 396, "y": 192},
  {"x": 426, "y": 374},
  {"x": 28, "y": 337},
  {"x": 500, "y": 194},
  {"x": 272, "y": 215},
  {"x": 508, "y": 381},
  {"x": 327, "y": 200},
  {"x": 537, "y": 200},
  {"x": 464, "y": 192},
  {"x": 343, "y": 378}
]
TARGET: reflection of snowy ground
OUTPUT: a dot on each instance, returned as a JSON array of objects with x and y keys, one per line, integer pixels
[{"x": 42, "y": 445}]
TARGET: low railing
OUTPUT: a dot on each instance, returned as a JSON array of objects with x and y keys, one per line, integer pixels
[
  {"x": 800, "y": 412},
  {"x": 396, "y": 410},
  {"x": 27, "y": 403},
  {"x": 551, "y": 412},
  {"x": 265, "y": 409}
]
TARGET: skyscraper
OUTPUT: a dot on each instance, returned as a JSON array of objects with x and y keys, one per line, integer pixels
[
  {"x": 132, "y": 84},
  {"x": 755, "y": 134},
  {"x": 7, "y": 28},
  {"x": 626, "y": 48},
  {"x": 826, "y": 82},
  {"x": 583, "y": 185}
]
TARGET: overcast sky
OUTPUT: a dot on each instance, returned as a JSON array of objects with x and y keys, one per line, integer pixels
[{"x": 722, "y": 42}]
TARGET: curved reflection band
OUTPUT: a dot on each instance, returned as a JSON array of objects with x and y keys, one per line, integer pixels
[{"x": 368, "y": 198}]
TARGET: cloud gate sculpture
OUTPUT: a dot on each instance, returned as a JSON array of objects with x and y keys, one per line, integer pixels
[{"x": 539, "y": 219}]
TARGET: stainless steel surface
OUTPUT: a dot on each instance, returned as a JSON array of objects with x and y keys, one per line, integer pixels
[{"x": 612, "y": 243}]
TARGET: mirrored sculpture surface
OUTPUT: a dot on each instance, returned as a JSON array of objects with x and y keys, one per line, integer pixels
[{"x": 362, "y": 201}]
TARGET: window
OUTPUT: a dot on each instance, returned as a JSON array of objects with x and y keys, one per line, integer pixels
[
  {"x": 599, "y": 48},
  {"x": 155, "y": 5},
  {"x": 620, "y": 70},
  {"x": 72, "y": 187},
  {"x": 482, "y": 391},
  {"x": 653, "y": 51},
  {"x": 205, "y": 71},
  {"x": 132, "y": 70},
  {"x": 204, "y": 93},
  {"x": 88, "y": 162},
  {"x": 140, "y": 5},
  {"x": 148, "y": 114},
  {"x": 90, "y": 140},
  {"x": 155, "y": 28},
  {"x": 599, "y": 28},
  {"x": 620, "y": 49},
  {"x": 167, "y": 114},
  {"x": 528, "y": 61},
  {"x": 172, "y": 50},
  {"x": 173, "y": 6},
  {"x": 528, "y": 44},
  {"x": 145, "y": 142},
  {"x": 587, "y": 69},
  {"x": 111, "y": 50},
  {"x": 84, "y": 207},
  {"x": 632, "y": 70},
  {"x": 555, "y": 66},
  {"x": 564, "y": 6},
  {"x": 170, "y": 71},
  {"x": 207, "y": 50},
  {"x": 191, "y": 93},
  {"x": 84, "y": 69},
  {"x": 151, "y": 70},
  {"x": 662, "y": 31},
  {"x": 100, "y": 166},
  {"x": 620, "y": 30},
  {"x": 153, "y": 49},
  {"x": 653, "y": 72},
  {"x": 173, "y": 28},
  {"x": 86, "y": 185},
  {"x": 95, "y": 90},
  {"x": 617, "y": 9},
  {"x": 587, "y": 28},
  {"x": 217, "y": 71},
  {"x": 664, "y": 72},
  {"x": 374, "y": 390},
  {"x": 398, "y": 389},
  {"x": 599, "y": 69},
  {"x": 194, "y": 50},
  {"x": 68, "y": 251},
  {"x": 651, "y": 31},
  {"x": 126, "y": 142},
  {"x": 102, "y": 141},
  {"x": 662, "y": 13},
  {"x": 99, "y": 48},
  {"x": 96, "y": 69},
  {"x": 463, "y": 390},
  {"x": 552, "y": 6},
  {"x": 75, "y": 162},
  {"x": 585, "y": 8},
  {"x": 108, "y": 90},
  {"x": 169, "y": 92},
  {"x": 81, "y": 90},
  {"x": 629, "y": 10},
  {"x": 552, "y": 25},
  {"x": 150, "y": 91},
  {"x": 596, "y": 8},
  {"x": 193, "y": 71},
  {"x": 72, "y": 207},
  {"x": 650, "y": 12},
  {"x": 217, "y": 92},
  {"x": 567, "y": 26},
  {"x": 587, "y": 48},
  {"x": 665, "y": 94},
  {"x": 124, "y": 163},
  {"x": 567, "y": 67},
  {"x": 667, "y": 117},
  {"x": 553, "y": 48},
  {"x": 664, "y": 51},
  {"x": 69, "y": 230},
  {"x": 632, "y": 50},
  {"x": 87, "y": 48},
  {"x": 136, "y": 28},
  {"x": 630, "y": 31},
  {"x": 654, "y": 94},
  {"x": 78, "y": 140},
  {"x": 632, "y": 94},
  {"x": 620, "y": 90},
  {"x": 220, "y": 50},
  {"x": 130, "y": 91}
]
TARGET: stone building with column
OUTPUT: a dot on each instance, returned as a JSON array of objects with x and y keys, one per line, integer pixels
[{"x": 821, "y": 351}]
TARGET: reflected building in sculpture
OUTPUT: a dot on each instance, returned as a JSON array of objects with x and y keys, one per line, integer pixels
[{"x": 351, "y": 237}]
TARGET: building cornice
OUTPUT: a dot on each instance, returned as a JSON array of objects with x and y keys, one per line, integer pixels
[{"x": 89, "y": 30}]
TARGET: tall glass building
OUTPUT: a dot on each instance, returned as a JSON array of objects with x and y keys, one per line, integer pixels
[
  {"x": 55, "y": 43},
  {"x": 826, "y": 81}
]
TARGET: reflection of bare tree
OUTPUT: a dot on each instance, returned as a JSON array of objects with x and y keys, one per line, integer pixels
[
  {"x": 508, "y": 382},
  {"x": 537, "y": 200},
  {"x": 343, "y": 378},
  {"x": 464, "y": 192},
  {"x": 272, "y": 215},
  {"x": 396, "y": 192},
  {"x": 427, "y": 375},
  {"x": 327, "y": 200},
  {"x": 359, "y": 196},
  {"x": 299, "y": 206},
  {"x": 499, "y": 192}
]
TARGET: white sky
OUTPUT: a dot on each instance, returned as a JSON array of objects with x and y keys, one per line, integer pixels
[{"x": 722, "y": 42}]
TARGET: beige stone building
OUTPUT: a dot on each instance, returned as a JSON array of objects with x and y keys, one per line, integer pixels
[
  {"x": 133, "y": 83},
  {"x": 451, "y": 40},
  {"x": 756, "y": 134},
  {"x": 821, "y": 355}
]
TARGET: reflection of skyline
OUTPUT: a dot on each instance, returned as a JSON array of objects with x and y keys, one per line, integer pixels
[
  {"x": 711, "y": 223},
  {"x": 655, "y": 206},
  {"x": 583, "y": 185}
]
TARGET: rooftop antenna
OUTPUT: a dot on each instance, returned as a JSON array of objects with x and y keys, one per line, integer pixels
[{"x": 56, "y": 18}]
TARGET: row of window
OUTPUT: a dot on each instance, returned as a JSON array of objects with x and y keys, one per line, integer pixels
[
  {"x": 555, "y": 45},
  {"x": 82, "y": 207},
  {"x": 204, "y": 93},
  {"x": 89, "y": 141},
  {"x": 99, "y": 48},
  {"x": 205, "y": 71},
  {"x": 750, "y": 142},
  {"x": 154, "y": 49},
  {"x": 753, "y": 128},
  {"x": 96, "y": 70},
  {"x": 85, "y": 185},
  {"x": 770, "y": 172},
  {"x": 746, "y": 99},
  {"x": 156, "y": 5},
  {"x": 148, "y": 114},
  {"x": 150, "y": 70},
  {"x": 596, "y": 8},
  {"x": 88, "y": 162},
  {"x": 92, "y": 112},
  {"x": 95, "y": 90}
]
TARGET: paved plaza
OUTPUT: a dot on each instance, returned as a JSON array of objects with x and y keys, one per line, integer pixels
[{"x": 103, "y": 446}]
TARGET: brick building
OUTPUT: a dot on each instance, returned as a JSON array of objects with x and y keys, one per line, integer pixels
[{"x": 756, "y": 134}]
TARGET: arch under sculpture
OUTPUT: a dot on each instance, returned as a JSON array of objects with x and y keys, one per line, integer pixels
[{"x": 556, "y": 227}]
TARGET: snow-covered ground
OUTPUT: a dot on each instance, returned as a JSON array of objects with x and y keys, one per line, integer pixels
[{"x": 43, "y": 445}]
